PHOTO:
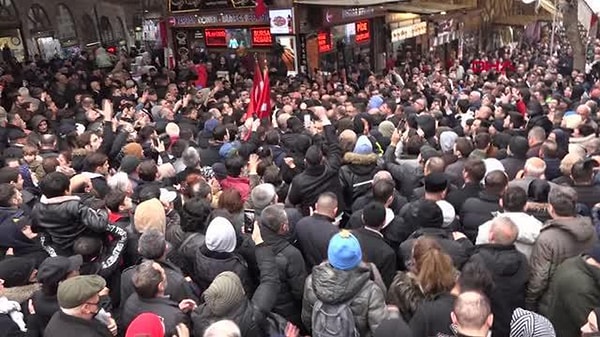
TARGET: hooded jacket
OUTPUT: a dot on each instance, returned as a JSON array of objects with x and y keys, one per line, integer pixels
[
  {"x": 573, "y": 293},
  {"x": 355, "y": 287},
  {"x": 509, "y": 271},
  {"x": 209, "y": 264},
  {"x": 529, "y": 230},
  {"x": 292, "y": 274},
  {"x": 356, "y": 176},
  {"x": 559, "y": 240},
  {"x": 251, "y": 314}
]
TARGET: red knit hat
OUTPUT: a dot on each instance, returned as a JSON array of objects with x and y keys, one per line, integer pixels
[{"x": 147, "y": 325}]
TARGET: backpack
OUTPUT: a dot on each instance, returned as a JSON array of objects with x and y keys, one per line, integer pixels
[{"x": 333, "y": 320}]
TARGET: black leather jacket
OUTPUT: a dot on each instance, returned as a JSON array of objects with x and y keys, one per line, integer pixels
[{"x": 64, "y": 219}]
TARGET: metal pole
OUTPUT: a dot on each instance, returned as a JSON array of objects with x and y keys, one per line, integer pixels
[
  {"x": 98, "y": 26},
  {"x": 554, "y": 16}
]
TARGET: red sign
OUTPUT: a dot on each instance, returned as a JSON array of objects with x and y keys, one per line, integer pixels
[
  {"x": 261, "y": 37},
  {"x": 324, "y": 42},
  {"x": 363, "y": 31},
  {"x": 215, "y": 37}
]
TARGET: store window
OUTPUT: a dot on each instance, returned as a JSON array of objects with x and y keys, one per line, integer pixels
[
  {"x": 106, "y": 31},
  {"x": 8, "y": 11},
  {"x": 66, "y": 31},
  {"x": 37, "y": 20},
  {"x": 88, "y": 29},
  {"x": 122, "y": 29}
]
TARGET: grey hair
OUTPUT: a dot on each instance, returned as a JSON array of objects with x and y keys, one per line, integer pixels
[
  {"x": 118, "y": 182},
  {"x": 223, "y": 328},
  {"x": 273, "y": 217},
  {"x": 152, "y": 244},
  {"x": 190, "y": 157}
]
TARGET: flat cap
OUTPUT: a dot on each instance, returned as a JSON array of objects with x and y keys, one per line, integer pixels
[{"x": 75, "y": 291}]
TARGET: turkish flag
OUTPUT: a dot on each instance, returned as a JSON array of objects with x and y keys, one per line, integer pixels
[
  {"x": 256, "y": 92},
  {"x": 264, "y": 111},
  {"x": 260, "y": 9}
]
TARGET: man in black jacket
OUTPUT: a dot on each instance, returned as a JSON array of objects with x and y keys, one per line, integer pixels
[
  {"x": 375, "y": 249},
  {"x": 290, "y": 263},
  {"x": 318, "y": 177},
  {"x": 225, "y": 297},
  {"x": 150, "y": 281},
  {"x": 476, "y": 211},
  {"x": 517, "y": 155},
  {"x": 473, "y": 174},
  {"x": 62, "y": 218},
  {"x": 153, "y": 246},
  {"x": 315, "y": 231},
  {"x": 509, "y": 270}
]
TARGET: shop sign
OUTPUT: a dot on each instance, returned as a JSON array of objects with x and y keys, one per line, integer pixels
[
  {"x": 303, "y": 54},
  {"x": 363, "y": 31},
  {"x": 407, "y": 32},
  {"x": 198, "y": 34},
  {"x": 324, "y": 42},
  {"x": 336, "y": 15},
  {"x": 215, "y": 37},
  {"x": 224, "y": 19},
  {"x": 282, "y": 21},
  {"x": 261, "y": 37},
  {"x": 193, "y": 5}
]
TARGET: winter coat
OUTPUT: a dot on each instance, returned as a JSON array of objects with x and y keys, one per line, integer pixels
[
  {"x": 476, "y": 211},
  {"x": 209, "y": 264},
  {"x": 356, "y": 176},
  {"x": 573, "y": 293},
  {"x": 587, "y": 195},
  {"x": 377, "y": 251},
  {"x": 457, "y": 249},
  {"x": 164, "y": 307},
  {"x": 314, "y": 180},
  {"x": 292, "y": 274},
  {"x": 178, "y": 288},
  {"x": 406, "y": 174},
  {"x": 250, "y": 315},
  {"x": 559, "y": 240},
  {"x": 455, "y": 171},
  {"x": 314, "y": 233},
  {"x": 395, "y": 229},
  {"x": 457, "y": 197},
  {"x": 432, "y": 318},
  {"x": 354, "y": 287},
  {"x": 210, "y": 155},
  {"x": 45, "y": 306},
  {"x": 65, "y": 219},
  {"x": 397, "y": 203},
  {"x": 63, "y": 325},
  {"x": 407, "y": 294},
  {"x": 509, "y": 271},
  {"x": 529, "y": 230}
]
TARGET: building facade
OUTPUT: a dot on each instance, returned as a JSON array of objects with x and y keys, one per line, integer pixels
[{"x": 58, "y": 27}]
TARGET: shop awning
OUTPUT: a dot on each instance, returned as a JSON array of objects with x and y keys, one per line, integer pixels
[
  {"x": 425, "y": 8},
  {"x": 346, "y": 3}
]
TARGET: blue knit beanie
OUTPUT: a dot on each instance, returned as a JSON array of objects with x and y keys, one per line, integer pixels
[{"x": 344, "y": 251}]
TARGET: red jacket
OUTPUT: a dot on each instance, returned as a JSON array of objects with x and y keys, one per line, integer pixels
[
  {"x": 202, "y": 75},
  {"x": 477, "y": 66},
  {"x": 241, "y": 184}
]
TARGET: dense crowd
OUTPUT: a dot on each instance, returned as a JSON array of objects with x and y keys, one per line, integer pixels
[{"x": 441, "y": 198}]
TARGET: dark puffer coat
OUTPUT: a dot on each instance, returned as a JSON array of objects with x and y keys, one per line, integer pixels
[
  {"x": 250, "y": 315},
  {"x": 209, "y": 264},
  {"x": 356, "y": 175},
  {"x": 333, "y": 286},
  {"x": 509, "y": 271}
]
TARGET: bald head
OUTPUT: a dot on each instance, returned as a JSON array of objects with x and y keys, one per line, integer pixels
[
  {"x": 327, "y": 204},
  {"x": 584, "y": 111},
  {"x": 382, "y": 175},
  {"x": 283, "y": 118},
  {"x": 503, "y": 231},
  {"x": 472, "y": 314},
  {"x": 224, "y": 328},
  {"x": 535, "y": 167}
]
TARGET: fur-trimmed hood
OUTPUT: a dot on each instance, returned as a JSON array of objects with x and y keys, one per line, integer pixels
[
  {"x": 360, "y": 159},
  {"x": 23, "y": 293}
]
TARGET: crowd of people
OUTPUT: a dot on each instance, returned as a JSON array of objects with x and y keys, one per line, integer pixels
[{"x": 459, "y": 198}]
